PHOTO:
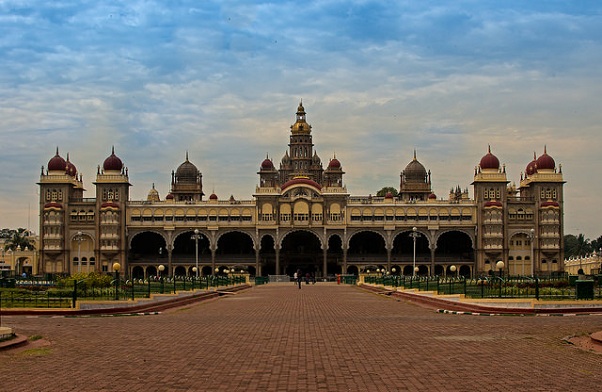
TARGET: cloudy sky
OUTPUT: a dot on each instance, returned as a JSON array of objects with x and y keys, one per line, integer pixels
[{"x": 222, "y": 80}]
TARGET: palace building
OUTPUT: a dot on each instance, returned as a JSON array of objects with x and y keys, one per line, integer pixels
[{"x": 302, "y": 216}]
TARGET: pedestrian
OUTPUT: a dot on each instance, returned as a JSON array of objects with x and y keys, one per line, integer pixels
[
  {"x": 299, "y": 278},
  {"x": 295, "y": 278},
  {"x": 307, "y": 278}
]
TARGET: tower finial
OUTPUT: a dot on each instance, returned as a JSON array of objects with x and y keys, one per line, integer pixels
[
  {"x": 113, "y": 150},
  {"x": 415, "y": 154},
  {"x": 187, "y": 155}
]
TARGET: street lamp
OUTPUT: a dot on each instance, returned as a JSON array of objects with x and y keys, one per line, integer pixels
[
  {"x": 196, "y": 275},
  {"x": 414, "y": 235},
  {"x": 532, "y": 237},
  {"x": 79, "y": 238},
  {"x": 116, "y": 268},
  {"x": 453, "y": 270},
  {"x": 196, "y": 237},
  {"x": 500, "y": 265},
  {"x": 161, "y": 268}
]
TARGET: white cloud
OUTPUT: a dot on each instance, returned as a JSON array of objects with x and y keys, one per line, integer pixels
[{"x": 222, "y": 80}]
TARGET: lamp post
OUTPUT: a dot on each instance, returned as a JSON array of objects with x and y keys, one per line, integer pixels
[
  {"x": 414, "y": 236},
  {"x": 500, "y": 265},
  {"x": 452, "y": 269},
  {"x": 532, "y": 237},
  {"x": 116, "y": 268},
  {"x": 196, "y": 237},
  {"x": 79, "y": 238},
  {"x": 196, "y": 275},
  {"x": 161, "y": 268}
]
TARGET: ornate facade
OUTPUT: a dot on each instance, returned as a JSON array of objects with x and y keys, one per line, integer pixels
[{"x": 302, "y": 217}]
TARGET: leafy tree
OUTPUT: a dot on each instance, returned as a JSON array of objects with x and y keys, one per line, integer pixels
[
  {"x": 19, "y": 238},
  {"x": 383, "y": 192}
]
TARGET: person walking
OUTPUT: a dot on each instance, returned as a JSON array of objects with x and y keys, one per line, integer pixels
[{"x": 299, "y": 278}]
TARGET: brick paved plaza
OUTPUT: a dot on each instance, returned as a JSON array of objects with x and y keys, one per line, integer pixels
[{"x": 323, "y": 337}]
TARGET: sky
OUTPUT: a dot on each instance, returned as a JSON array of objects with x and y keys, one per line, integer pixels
[{"x": 221, "y": 81}]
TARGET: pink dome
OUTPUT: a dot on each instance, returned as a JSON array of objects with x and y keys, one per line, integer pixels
[
  {"x": 112, "y": 163},
  {"x": 213, "y": 196},
  {"x": 169, "y": 196},
  {"x": 489, "y": 161},
  {"x": 267, "y": 164},
  {"x": 545, "y": 162},
  {"x": 334, "y": 164},
  {"x": 432, "y": 196},
  {"x": 70, "y": 168},
  {"x": 389, "y": 195},
  {"x": 531, "y": 167},
  {"x": 57, "y": 163}
]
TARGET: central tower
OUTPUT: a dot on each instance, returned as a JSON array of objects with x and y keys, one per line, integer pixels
[{"x": 300, "y": 159}]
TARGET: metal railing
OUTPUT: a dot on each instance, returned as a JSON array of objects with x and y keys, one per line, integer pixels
[{"x": 544, "y": 288}]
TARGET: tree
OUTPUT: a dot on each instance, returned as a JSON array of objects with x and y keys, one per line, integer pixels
[
  {"x": 383, "y": 192},
  {"x": 19, "y": 239},
  {"x": 575, "y": 246}
]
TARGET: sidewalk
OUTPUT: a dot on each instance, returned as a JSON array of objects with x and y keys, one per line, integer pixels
[{"x": 324, "y": 337}]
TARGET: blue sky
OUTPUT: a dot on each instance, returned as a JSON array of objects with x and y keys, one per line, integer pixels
[{"x": 222, "y": 80}]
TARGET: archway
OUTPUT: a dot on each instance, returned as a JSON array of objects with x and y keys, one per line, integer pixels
[{"x": 301, "y": 250}]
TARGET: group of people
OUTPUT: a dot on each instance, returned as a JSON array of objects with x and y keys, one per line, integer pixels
[{"x": 298, "y": 277}]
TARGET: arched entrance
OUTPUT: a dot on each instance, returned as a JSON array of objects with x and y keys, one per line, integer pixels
[{"x": 301, "y": 250}]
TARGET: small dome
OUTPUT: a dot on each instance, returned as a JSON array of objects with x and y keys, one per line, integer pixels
[
  {"x": 334, "y": 164},
  {"x": 70, "y": 168},
  {"x": 316, "y": 159},
  {"x": 112, "y": 163},
  {"x": 153, "y": 195},
  {"x": 389, "y": 195},
  {"x": 187, "y": 172},
  {"x": 545, "y": 162},
  {"x": 213, "y": 196},
  {"x": 415, "y": 171},
  {"x": 432, "y": 196},
  {"x": 267, "y": 164},
  {"x": 57, "y": 163},
  {"x": 489, "y": 161},
  {"x": 531, "y": 167},
  {"x": 169, "y": 196}
]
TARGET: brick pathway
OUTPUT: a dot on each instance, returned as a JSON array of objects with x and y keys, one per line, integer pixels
[{"x": 320, "y": 338}]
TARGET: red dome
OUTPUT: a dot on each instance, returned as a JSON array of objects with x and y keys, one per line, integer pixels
[
  {"x": 389, "y": 195},
  {"x": 301, "y": 180},
  {"x": 213, "y": 196},
  {"x": 490, "y": 161},
  {"x": 267, "y": 164},
  {"x": 70, "y": 168},
  {"x": 531, "y": 167},
  {"x": 432, "y": 196},
  {"x": 334, "y": 164},
  {"x": 57, "y": 163},
  {"x": 112, "y": 163},
  {"x": 545, "y": 162},
  {"x": 169, "y": 196}
]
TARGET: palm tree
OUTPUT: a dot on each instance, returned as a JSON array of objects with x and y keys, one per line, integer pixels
[{"x": 19, "y": 240}]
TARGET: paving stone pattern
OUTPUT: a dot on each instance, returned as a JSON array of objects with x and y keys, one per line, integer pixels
[{"x": 324, "y": 337}]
